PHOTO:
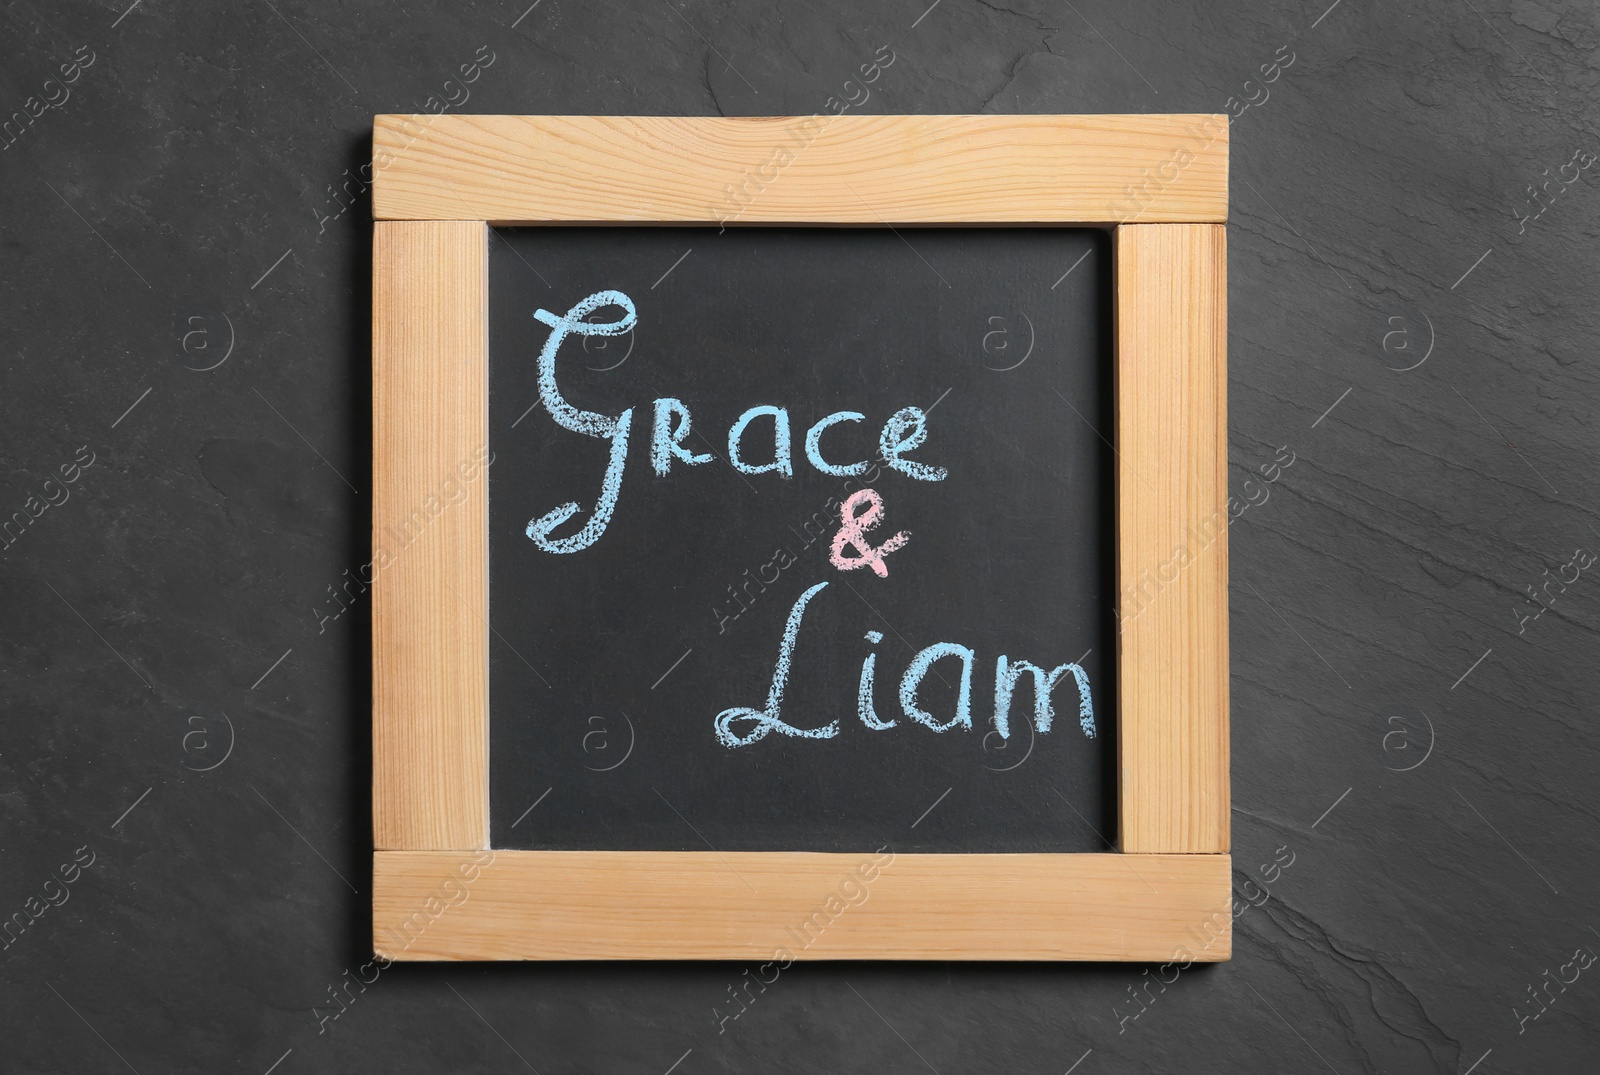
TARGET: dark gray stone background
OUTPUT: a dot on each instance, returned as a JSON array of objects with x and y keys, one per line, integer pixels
[{"x": 183, "y": 579}]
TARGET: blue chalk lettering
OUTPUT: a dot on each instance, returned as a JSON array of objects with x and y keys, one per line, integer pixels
[
  {"x": 566, "y": 415},
  {"x": 1006, "y": 674},
  {"x": 906, "y": 429},
  {"x": 666, "y": 441},
  {"x": 780, "y": 436},
  {"x": 610, "y": 488},
  {"x": 768, "y": 719},
  {"x": 814, "y": 446},
  {"x": 864, "y": 707},
  {"x": 590, "y": 423},
  {"x": 918, "y": 668}
]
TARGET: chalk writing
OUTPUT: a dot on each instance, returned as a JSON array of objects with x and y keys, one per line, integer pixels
[
  {"x": 780, "y": 442},
  {"x": 1007, "y": 674},
  {"x": 768, "y": 720},
  {"x": 905, "y": 431},
  {"x": 853, "y": 532}
]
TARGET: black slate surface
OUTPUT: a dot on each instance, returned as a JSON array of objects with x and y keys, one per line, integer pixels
[
  {"x": 612, "y": 664},
  {"x": 1416, "y": 743}
]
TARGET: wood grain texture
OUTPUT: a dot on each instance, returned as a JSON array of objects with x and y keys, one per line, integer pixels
[
  {"x": 855, "y": 169},
  {"x": 430, "y": 593},
  {"x": 751, "y": 905},
  {"x": 1172, "y": 522}
]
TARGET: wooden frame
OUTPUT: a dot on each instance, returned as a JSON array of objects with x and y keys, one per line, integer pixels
[{"x": 1160, "y": 182}]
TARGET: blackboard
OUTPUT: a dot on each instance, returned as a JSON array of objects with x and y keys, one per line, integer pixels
[{"x": 610, "y": 664}]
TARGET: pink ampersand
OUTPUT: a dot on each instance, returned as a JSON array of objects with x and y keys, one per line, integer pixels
[{"x": 853, "y": 533}]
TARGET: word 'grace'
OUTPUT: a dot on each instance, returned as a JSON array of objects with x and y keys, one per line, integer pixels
[{"x": 904, "y": 431}]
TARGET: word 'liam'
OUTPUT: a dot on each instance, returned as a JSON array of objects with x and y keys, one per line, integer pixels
[{"x": 759, "y": 722}]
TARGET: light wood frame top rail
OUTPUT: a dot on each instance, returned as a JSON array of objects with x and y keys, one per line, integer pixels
[{"x": 854, "y": 169}]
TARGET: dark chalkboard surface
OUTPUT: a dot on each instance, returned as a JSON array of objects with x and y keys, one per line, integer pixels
[{"x": 611, "y": 664}]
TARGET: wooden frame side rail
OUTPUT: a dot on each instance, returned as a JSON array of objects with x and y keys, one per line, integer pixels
[
  {"x": 1172, "y": 537},
  {"x": 430, "y": 589}
]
